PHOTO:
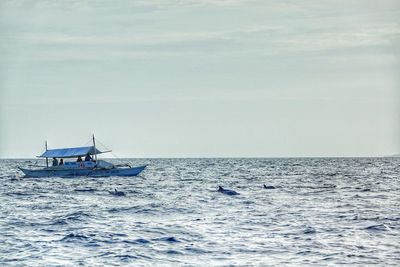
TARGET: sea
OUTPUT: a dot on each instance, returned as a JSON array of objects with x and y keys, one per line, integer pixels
[{"x": 320, "y": 212}]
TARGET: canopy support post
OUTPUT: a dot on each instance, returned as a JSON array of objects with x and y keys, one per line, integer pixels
[
  {"x": 94, "y": 145},
  {"x": 47, "y": 159}
]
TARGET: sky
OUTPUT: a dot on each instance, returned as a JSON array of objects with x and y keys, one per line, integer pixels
[{"x": 201, "y": 78}]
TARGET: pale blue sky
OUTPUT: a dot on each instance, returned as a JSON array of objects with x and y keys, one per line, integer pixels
[{"x": 199, "y": 78}]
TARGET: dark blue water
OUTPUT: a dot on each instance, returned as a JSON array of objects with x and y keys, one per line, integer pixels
[{"x": 322, "y": 212}]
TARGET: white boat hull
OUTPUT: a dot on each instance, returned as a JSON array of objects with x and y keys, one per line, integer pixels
[{"x": 76, "y": 172}]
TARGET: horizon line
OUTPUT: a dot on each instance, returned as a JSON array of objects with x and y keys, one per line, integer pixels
[{"x": 226, "y": 157}]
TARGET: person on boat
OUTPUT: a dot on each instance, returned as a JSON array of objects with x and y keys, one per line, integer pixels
[
  {"x": 61, "y": 162},
  {"x": 79, "y": 159},
  {"x": 55, "y": 162},
  {"x": 88, "y": 157}
]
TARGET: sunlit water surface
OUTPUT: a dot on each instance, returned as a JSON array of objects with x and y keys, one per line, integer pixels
[{"x": 322, "y": 212}]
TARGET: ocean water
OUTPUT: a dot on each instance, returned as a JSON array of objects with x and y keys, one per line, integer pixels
[{"x": 322, "y": 212}]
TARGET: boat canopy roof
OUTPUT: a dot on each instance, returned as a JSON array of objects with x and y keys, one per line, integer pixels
[{"x": 72, "y": 152}]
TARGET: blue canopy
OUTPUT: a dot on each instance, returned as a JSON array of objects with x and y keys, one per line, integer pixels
[{"x": 72, "y": 152}]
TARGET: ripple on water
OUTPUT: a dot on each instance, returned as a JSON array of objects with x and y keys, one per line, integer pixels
[
  {"x": 169, "y": 239},
  {"x": 73, "y": 237},
  {"x": 377, "y": 228}
]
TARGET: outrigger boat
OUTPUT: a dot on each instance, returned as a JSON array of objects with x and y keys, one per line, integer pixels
[{"x": 90, "y": 168}]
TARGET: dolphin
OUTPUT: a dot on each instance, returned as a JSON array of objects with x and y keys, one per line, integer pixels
[
  {"x": 269, "y": 187},
  {"x": 227, "y": 191},
  {"x": 117, "y": 193}
]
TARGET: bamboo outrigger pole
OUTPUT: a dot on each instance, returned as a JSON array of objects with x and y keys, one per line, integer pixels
[
  {"x": 94, "y": 145},
  {"x": 47, "y": 159}
]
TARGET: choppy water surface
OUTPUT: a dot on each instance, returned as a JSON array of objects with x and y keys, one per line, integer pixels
[{"x": 323, "y": 211}]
